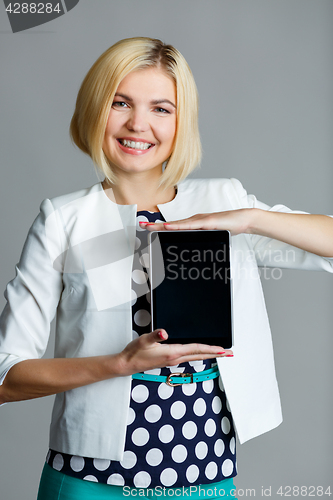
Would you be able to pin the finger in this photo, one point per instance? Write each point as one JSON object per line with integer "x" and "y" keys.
{"x": 201, "y": 354}
{"x": 200, "y": 221}
{"x": 156, "y": 336}
{"x": 194, "y": 222}
{"x": 202, "y": 357}
{"x": 181, "y": 350}
{"x": 228, "y": 352}
{"x": 152, "y": 226}
{"x": 165, "y": 226}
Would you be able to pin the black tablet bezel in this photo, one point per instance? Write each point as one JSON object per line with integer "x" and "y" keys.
{"x": 201, "y": 236}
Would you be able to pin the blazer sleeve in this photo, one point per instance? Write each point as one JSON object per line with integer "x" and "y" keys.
{"x": 32, "y": 296}
{"x": 274, "y": 253}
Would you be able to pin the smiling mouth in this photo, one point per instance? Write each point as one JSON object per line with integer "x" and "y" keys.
{"x": 135, "y": 145}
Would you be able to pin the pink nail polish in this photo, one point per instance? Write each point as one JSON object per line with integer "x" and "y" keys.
{"x": 222, "y": 352}
{"x": 166, "y": 223}
{"x": 229, "y": 356}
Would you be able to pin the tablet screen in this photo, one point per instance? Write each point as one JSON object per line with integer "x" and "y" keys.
{"x": 190, "y": 286}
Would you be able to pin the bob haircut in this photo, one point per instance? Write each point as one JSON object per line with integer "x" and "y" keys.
{"x": 96, "y": 95}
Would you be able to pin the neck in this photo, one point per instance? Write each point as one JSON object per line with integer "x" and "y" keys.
{"x": 141, "y": 192}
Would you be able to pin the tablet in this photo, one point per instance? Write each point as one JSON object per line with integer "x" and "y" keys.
{"x": 190, "y": 286}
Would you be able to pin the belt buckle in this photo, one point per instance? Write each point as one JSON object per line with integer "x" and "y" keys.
{"x": 183, "y": 375}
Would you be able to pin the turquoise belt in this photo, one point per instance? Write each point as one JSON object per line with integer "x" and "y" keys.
{"x": 175, "y": 379}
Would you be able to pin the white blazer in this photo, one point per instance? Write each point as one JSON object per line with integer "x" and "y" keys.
{"x": 77, "y": 263}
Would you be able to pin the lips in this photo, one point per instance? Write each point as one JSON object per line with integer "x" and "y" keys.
{"x": 134, "y": 146}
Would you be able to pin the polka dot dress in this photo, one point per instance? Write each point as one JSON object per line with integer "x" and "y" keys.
{"x": 176, "y": 436}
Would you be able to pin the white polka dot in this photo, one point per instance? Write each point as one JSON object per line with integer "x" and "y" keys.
{"x": 219, "y": 448}
{"x": 189, "y": 430}
{"x": 101, "y": 464}
{"x": 58, "y": 462}
{"x": 144, "y": 260}
{"x": 134, "y": 334}
{"x": 201, "y": 450}
{"x": 211, "y": 470}
{"x": 189, "y": 389}
{"x": 165, "y": 391}
{"x": 221, "y": 386}
{"x": 176, "y": 369}
{"x": 198, "y": 365}
{"x": 140, "y": 436}
{"x": 227, "y": 467}
{"x": 154, "y": 457}
{"x": 232, "y": 445}
{"x": 140, "y": 393}
{"x": 179, "y": 453}
{"x": 77, "y": 463}
{"x": 91, "y": 478}
{"x": 225, "y": 424}
{"x": 178, "y": 410}
{"x": 140, "y": 277}
{"x": 137, "y": 243}
{"x": 168, "y": 477}
{"x": 157, "y": 221}
{"x": 216, "y": 405}
{"x": 141, "y": 218}
{"x": 210, "y": 427}
{"x": 142, "y": 479}
{"x": 228, "y": 406}
{"x": 154, "y": 371}
{"x": 148, "y": 297}
{"x": 134, "y": 297}
{"x": 166, "y": 433}
{"x": 142, "y": 317}
{"x": 208, "y": 386}
{"x": 192, "y": 473}
{"x": 153, "y": 413}
{"x": 130, "y": 416}
{"x": 199, "y": 407}
{"x": 116, "y": 480}
{"x": 129, "y": 460}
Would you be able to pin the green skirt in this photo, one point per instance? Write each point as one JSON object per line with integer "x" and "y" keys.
{"x": 55, "y": 485}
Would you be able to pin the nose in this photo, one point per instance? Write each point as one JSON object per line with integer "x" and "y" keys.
{"x": 138, "y": 121}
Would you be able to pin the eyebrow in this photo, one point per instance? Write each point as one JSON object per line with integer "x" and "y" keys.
{"x": 155, "y": 102}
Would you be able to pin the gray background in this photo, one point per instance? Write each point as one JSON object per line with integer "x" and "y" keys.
{"x": 264, "y": 73}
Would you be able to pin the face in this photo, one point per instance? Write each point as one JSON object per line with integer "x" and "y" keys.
{"x": 141, "y": 127}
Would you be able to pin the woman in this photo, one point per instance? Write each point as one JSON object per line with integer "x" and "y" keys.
{"x": 136, "y": 116}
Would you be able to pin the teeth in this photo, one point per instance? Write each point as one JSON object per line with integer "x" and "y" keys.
{"x": 135, "y": 145}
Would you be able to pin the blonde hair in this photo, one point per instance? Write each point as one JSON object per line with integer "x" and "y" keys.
{"x": 97, "y": 92}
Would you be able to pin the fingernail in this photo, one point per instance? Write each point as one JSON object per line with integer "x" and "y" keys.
{"x": 150, "y": 223}
{"x": 166, "y": 223}
{"x": 229, "y": 356}
{"x": 142, "y": 222}
{"x": 160, "y": 334}
{"x": 222, "y": 352}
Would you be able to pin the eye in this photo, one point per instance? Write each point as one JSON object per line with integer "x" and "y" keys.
{"x": 162, "y": 110}
{"x": 119, "y": 104}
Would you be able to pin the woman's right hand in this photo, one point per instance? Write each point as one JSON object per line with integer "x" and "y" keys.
{"x": 35, "y": 378}
{"x": 146, "y": 353}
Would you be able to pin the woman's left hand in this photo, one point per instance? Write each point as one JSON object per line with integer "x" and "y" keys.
{"x": 310, "y": 232}
{"x": 235, "y": 221}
